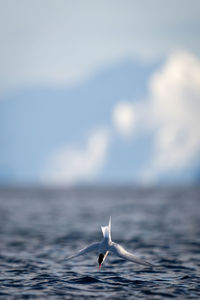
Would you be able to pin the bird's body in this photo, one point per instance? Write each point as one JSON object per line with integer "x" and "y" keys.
{"x": 106, "y": 246}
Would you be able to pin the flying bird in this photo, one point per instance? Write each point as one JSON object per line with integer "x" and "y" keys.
{"x": 106, "y": 246}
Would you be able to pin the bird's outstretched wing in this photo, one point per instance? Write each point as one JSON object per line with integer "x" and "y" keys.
{"x": 121, "y": 252}
{"x": 85, "y": 250}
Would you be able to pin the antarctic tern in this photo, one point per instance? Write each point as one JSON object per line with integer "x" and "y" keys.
{"x": 106, "y": 246}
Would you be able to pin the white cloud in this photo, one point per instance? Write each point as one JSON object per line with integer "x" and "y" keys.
{"x": 62, "y": 42}
{"x": 71, "y": 165}
{"x": 171, "y": 112}
{"x": 123, "y": 117}
{"x": 174, "y": 115}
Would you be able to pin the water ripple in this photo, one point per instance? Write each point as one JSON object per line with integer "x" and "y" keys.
{"x": 39, "y": 229}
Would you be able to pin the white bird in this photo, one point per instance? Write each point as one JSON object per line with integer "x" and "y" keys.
{"x": 106, "y": 246}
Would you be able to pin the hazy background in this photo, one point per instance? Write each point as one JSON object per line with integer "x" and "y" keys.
{"x": 99, "y": 92}
{"x": 99, "y": 117}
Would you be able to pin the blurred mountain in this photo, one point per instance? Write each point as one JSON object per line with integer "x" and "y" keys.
{"x": 36, "y": 121}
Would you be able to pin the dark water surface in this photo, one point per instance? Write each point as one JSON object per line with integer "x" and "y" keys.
{"x": 40, "y": 227}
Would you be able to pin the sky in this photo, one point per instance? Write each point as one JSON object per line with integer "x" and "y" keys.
{"x": 99, "y": 92}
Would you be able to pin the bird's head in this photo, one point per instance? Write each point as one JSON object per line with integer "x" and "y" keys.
{"x": 100, "y": 260}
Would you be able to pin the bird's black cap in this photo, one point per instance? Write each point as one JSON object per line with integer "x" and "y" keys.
{"x": 100, "y": 259}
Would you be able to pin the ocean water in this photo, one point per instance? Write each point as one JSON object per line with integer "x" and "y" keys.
{"x": 39, "y": 228}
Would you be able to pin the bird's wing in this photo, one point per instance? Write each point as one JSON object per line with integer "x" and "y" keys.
{"x": 85, "y": 250}
{"x": 121, "y": 252}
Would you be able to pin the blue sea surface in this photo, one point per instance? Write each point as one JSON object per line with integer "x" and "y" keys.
{"x": 40, "y": 227}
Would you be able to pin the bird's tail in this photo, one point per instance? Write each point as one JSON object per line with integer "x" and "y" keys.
{"x": 109, "y": 224}
{"x": 107, "y": 230}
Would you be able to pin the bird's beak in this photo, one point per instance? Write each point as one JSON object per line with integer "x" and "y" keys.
{"x": 99, "y": 267}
